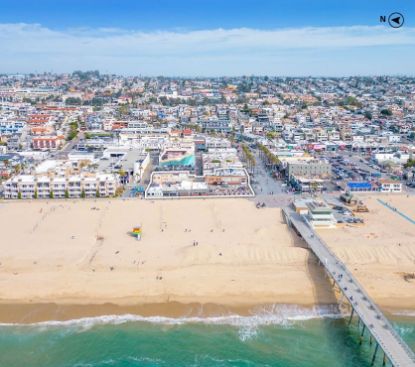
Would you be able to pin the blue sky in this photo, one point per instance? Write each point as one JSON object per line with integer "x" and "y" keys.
{"x": 207, "y": 37}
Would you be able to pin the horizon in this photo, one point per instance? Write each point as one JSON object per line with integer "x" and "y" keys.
{"x": 207, "y": 38}
{"x": 196, "y": 77}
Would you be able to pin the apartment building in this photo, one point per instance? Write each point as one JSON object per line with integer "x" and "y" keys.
{"x": 47, "y": 142}
{"x": 11, "y": 127}
{"x": 70, "y": 186}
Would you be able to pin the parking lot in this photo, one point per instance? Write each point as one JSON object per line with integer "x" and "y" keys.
{"x": 348, "y": 167}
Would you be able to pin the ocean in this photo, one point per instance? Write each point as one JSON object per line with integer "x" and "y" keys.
{"x": 283, "y": 337}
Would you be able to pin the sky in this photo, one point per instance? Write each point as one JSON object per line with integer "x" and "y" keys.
{"x": 207, "y": 37}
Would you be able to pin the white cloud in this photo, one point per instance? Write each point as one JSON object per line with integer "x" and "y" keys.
{"x": 28, "y": 47}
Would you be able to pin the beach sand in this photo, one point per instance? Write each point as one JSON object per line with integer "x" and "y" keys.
{"x": 382, "y": 251}
{"x": 62, "y": 259}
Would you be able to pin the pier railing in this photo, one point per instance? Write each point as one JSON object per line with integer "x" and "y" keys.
{"x": 397, "y": 351}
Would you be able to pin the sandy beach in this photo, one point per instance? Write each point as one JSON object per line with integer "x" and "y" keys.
{"x": 381, "y": 253}
{"x": 65, "y": 259}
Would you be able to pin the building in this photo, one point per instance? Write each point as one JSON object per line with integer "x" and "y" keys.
{"x": 320, "y": 215}
{"x": 362, "y": 186}
{"x": 218, "y": 126}
{"x": 69, "y": 186}
{"x": 175, "y": 184}
{"x": 47, "y": 142}
{"x": 390, "y": 186}
{"x": 11, "y": 127}
{"x": 311, "y": 168}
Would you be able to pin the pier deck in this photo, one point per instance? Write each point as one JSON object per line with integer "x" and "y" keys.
{"x": 396, "y": 350}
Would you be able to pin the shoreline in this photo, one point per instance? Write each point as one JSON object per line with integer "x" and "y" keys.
{"x": 26, "y": 314}
{"x": 66, "y": 260}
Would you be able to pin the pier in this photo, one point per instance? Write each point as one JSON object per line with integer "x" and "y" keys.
{"x": 374, "y": 323}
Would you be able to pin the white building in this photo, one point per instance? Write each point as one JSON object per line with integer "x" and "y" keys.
{"x": 390, "y": 186}
{"x": 320, "y": 215}
{"x": 72, "y": 186}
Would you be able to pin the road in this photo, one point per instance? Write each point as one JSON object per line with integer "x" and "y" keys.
{"x": 398, "y": 352}
{"x": 267, "y": 189}
{"x": 70, "y": 145}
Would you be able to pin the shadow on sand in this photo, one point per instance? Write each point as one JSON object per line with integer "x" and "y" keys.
{"x": 341, "y": 337}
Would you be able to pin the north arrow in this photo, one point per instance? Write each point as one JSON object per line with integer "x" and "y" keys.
{"x": 397, "y": 20}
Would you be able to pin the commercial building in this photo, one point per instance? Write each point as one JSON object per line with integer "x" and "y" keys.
{"x": 311, "y": 168}
{"x": 390, "y": 186}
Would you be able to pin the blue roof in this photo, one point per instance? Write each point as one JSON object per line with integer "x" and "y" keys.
{"x": 359, "y": 185}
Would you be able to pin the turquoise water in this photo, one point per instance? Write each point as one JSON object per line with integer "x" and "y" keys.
{"x": 227, "y": 341}
{"x": 188, "y": 160}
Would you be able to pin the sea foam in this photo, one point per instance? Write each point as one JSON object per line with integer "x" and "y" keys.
{"x": 266, "y": 315}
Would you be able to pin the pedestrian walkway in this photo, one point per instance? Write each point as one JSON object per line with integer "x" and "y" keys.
{"x": 395, "y": 349}
{"x": 387, "y": 205}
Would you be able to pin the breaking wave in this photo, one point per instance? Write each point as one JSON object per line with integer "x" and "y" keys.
{"x": 266, "y": 315}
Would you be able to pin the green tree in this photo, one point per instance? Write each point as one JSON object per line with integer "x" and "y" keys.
{"x": 122, "y": 172}
{"x": 83, "y": 194}
{"x": 368, "y": 115}
{"x": 19, "y": 195}
{"x": 124, "y": 109}
{"x": 386, "y": 112}
{"x": 72, "y": 101}
{"x": 410, "y": 163}
{"x": 51, "y": 195}
{"x": 66, "y": 194}
{"x": 97, "y": 194}
{"x": 35, "y": 195}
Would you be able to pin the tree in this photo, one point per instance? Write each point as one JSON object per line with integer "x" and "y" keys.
{"x": 73, "y": 101}
{"x": 410, "y": 163}
{"x": 19, "y": 195}
{"x": 35, "y": 195}
{"x": 97, "y": 194}
{"x": 97, "y": 101}
{"x": 119, "y": 191}
{"x": 73, "y": 130}
{"x": 271, "y": 135}
{"x": 386, "y": 112}
{"x": 249, "y": 157}
{"x": 122, "y": 172}
{"x": 51, "y": 195}
{"x": 66, "y": 194}
{"x": 368, "y": 115}
{"x": 83, "y": 194}
{"x": 124, "y": 109}
{"x": 350, "y": 101}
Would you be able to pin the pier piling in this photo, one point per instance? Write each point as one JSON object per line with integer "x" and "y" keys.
{"x": 374, "y": 354}
{"x": 395, "y": 351}
{"x": 351, "y": 316}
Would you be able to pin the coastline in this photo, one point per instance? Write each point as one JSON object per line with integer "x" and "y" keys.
{"x": 44, "y": 312}
{"x": 71, "y": 259}
{"x": 26, "y": 314}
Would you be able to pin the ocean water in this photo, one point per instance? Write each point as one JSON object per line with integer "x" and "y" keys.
{"x": 280, "y": 337}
